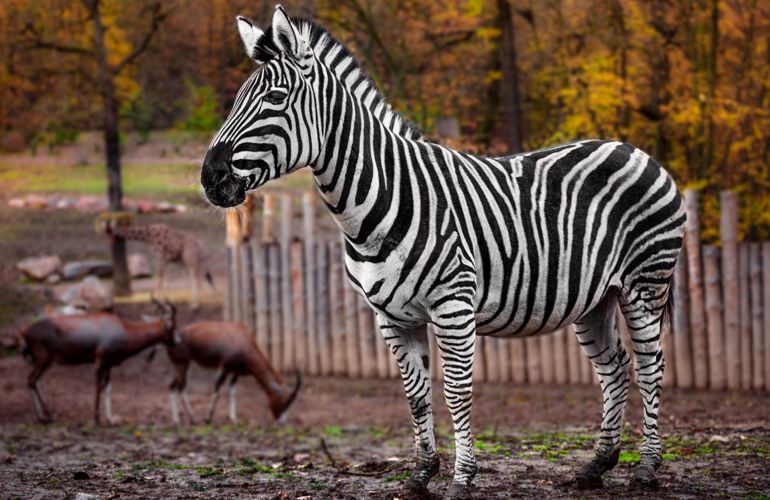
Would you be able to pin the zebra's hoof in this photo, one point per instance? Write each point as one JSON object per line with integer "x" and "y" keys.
{"x": 414, "y": 489}
{"x": 459, "y": 491}
{"x": 644, "y": 478}
{"x": 588, "y": 480}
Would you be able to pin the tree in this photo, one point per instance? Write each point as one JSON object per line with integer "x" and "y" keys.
{"x": 509, "y": 87}
{"x": 108, "y": 68}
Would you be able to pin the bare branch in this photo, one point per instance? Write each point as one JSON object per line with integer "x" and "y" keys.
{"x": 40, "y": 43}
{"x": 158, "y": 17}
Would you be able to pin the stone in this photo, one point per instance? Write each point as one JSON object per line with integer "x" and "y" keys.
{"x": 90, "y": 294}
{"x": 82, "y": 268}
{"x": 16, "y": 203}
{"x": 138, "y": 267}
{"x": 36, "y": 201}
{"x": 39, "y": 268}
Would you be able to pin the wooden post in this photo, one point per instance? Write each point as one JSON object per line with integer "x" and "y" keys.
{"x": 248, "y": 291}
{"x": 479, "y": 366}
{"x": 518, "y": 352}
{"x": 322, "y": 286}
{"x": 336, "y": 287}
{"x": 227, "y": 309}
{"x": 546, "y": 358}
{"x": 766, "y": 307}
{"x": 298, "y": 301}
{"x": 575, "y": 356}
{"x": 503, "y": 359}
{"x": 381, "y": 350}
{"x": 559, "y": 356}
{"x": 435, "y": 357}
{"x": 744, "y": 317}
{"x": 757, "y": 342}
{"x": 366, "y": 339}
{"x": 286, "y": 292}
{"x": 714, "y": 317}
{"x": 587, "y": 372}
{"x": 351, "y": 330}
{"x": 308, "y": 230}
{"x": 275, "y": 307}
{"x": 681, "y": 333}
{"x": 490, "y": 356}
{"x": 534, "y": 375}
{"x": 695, "y": 281}
{"x": 263, "y": 297}
{"x": 268, "y": 217}
{"x": 729, "y": 234}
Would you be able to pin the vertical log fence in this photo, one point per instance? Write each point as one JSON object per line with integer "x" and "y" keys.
{"x": 287, "y": 282}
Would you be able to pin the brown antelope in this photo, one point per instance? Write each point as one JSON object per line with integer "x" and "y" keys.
{"x": 231, "y": 348}
{"x": 100, "y": 338}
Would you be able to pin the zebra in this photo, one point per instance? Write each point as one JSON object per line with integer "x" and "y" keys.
{"x": 508, "y": 247}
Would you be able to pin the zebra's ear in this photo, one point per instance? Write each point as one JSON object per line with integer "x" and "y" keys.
{"x": 287, "y": 37}
{"x": 250, "y": 35}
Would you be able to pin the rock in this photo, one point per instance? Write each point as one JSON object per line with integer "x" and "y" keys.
{"x": 138, "y": 267}
{"x": 90, "y": 294}
{"x": 39, "y": 268}
{"x": 36, "y": 201}
{"x": 80, "y": 475}
{"x": 164, "y": 207}
{"x": 16, "y": 203}
{"x": 66, "y": 203}
{"x": 145, "y": 206}
{"x": 79, "y": 269}
{"x": 85, "y": 496}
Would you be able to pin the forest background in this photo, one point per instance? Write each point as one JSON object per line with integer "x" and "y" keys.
{"x": 685, "y": 80}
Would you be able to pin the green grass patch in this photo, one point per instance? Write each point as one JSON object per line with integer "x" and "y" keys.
{"x": 248, "y": 466}
{"x": 209, "y": 471}
{"x": 403, "y": 476}
{"x": 176, "y": 181}
{"x": 333, "y": 430}
{"x": 629, "y": 457}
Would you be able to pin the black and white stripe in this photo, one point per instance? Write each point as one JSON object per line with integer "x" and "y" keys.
{"x": 512, "y": 246}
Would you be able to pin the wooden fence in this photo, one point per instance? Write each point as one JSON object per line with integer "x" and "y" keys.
{"x": 290, "y": 288}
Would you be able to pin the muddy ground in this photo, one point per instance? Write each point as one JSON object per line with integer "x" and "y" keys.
{"x": 529, "y": 440}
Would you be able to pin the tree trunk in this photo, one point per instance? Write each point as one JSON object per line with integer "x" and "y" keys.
{"x": 509, "y": 86}
{"x": 121, "y": 281}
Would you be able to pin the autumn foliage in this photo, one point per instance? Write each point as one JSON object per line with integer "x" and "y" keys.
{"x": 686, "y": 80}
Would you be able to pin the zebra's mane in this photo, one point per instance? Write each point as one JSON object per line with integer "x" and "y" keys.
{"x": 333, "y": 53}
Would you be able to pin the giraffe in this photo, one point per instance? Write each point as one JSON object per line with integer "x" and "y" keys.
{"x": 168, "y": 245}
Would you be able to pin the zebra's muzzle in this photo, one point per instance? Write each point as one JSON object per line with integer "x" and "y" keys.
{"x": 222, "y": 186}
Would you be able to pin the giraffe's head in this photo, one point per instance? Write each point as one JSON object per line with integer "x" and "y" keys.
{"x": 275, "y": 125}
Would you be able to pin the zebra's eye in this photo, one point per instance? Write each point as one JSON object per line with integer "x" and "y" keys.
{"x": 275, "y": 96}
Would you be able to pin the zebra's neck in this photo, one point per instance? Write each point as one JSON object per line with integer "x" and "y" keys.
{"x": 371, "y": 177}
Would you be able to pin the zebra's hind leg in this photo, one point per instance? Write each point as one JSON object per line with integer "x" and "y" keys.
{"x": 410, "y": 347}
{"x": 645, "y": 308}
{"x": 600, "y": 341}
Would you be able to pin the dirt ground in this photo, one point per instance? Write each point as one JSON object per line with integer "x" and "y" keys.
{"x": 347, "y": 439}
{"x": 529, "y": 441}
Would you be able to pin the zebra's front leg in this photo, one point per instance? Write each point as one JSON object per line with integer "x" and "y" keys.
{"x": 599, "y": 339}
{"x": 457, "y": 345}
{"x": 410, "y": 347}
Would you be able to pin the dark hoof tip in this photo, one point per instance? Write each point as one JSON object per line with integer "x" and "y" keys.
{"x": 645, "y": 483}
{"x": 414, "y": 490}
{"x": 588, "y": 481}
{"x": 459, "y": 491}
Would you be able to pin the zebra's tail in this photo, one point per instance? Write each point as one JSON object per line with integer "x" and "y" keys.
{"x": 667, "y": 317}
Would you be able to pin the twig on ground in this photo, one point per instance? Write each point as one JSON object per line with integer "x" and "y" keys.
{"x": 328, "y": 455}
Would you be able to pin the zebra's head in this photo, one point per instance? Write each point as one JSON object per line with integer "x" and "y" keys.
{"x": 274, "y": 126}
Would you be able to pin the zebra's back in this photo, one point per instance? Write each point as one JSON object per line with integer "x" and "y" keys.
{"x": 581, "y": 218}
